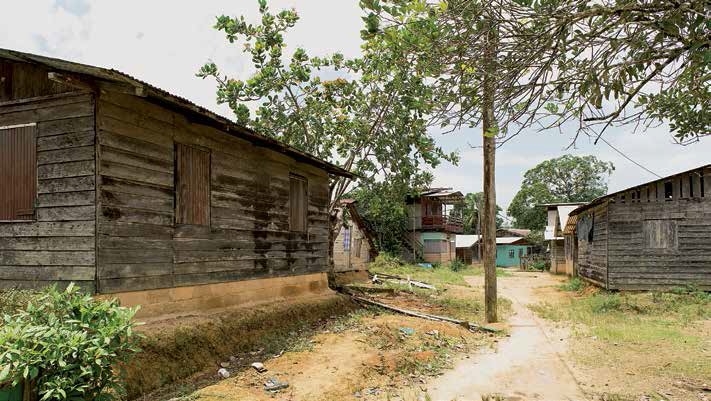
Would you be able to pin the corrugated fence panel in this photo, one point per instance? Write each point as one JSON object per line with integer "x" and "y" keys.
{"x": 18, "y": 172}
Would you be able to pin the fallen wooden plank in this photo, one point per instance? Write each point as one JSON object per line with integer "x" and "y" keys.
{"x": 401, "y": 280}
{"x": 463, "y": 323}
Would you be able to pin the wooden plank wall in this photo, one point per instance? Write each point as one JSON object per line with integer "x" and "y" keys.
{"x": 140, "y": 247}
{"x": 58, "y": 246}
{"x": 592, "y": 256}
{"x": 687, "y": 261}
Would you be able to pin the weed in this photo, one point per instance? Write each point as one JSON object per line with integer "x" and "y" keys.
{"x": 457, "y": 265}
{"x": 575, "y": 284}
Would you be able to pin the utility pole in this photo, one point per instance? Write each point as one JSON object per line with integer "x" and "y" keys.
{"x": 489, "y": 137}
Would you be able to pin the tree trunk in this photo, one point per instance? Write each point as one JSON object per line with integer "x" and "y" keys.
{"x": 489, "y": 212}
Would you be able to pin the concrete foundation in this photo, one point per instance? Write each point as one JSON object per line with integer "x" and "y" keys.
{"x": 195, "y": 300}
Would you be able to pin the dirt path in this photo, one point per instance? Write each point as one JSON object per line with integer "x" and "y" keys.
{"x": 525, "y": 366}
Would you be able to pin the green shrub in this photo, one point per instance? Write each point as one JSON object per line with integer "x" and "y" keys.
{"x": 539, "y": 265}
{"x": 575, "y": 284}
{"x": 13, "y": 300}
{"x": 69, "y": 343}
{"x": 457, "y": 265}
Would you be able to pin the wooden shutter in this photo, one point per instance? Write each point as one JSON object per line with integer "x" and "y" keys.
{"x": 192, "y": 185}
{"x": 18, "y": 172}
{"x": 298, "y": 203}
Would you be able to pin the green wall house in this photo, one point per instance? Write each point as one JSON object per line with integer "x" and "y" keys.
{"x": 509, "y": 251}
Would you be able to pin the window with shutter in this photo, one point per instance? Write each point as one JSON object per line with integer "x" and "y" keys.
{"x": 298, "y": 203}
{"x": 192, "y": 185}
{"x": 18, "y": 172}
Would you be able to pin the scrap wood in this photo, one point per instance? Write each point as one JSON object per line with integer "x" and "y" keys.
{"x": 463, "y": 323}
{"x": 402, "y": 280}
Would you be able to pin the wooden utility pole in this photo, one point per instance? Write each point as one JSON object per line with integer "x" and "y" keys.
{"x": 489, "y": 132}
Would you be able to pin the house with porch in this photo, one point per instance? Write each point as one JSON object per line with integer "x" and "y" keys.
{"x": 433, "y": 225}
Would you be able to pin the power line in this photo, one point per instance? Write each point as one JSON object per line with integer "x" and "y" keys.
{"x": 628, "y": 158}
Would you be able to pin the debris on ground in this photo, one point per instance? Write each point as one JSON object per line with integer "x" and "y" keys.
{"x": 381, "y": 277}
{"x": 463, "y": 323}
{"x": 273, "y": 384}
{"x": 259, "y": 367}
{"x": 223, "y": 373}
{"x": 408, "y": 331}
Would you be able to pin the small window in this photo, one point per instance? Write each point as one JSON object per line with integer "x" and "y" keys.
{"x": 691, "y": 185}
{"x": 18, "y": 172}
{"x": 298, "y": 203}
{"x": 702, "y": 189}
{"x": 512, "y": 253}
{"x": 192, "y": 185}
{"x": 346, "y": 239}
{"x": 668, "y": 190}
{"x": 520, "y": 252}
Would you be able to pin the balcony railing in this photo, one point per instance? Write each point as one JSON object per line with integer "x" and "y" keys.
{"x": 443, "y": 222}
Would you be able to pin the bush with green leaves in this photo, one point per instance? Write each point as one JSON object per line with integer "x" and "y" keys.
{"x": 457, "y": 265}
{"x": 69, "y": 344}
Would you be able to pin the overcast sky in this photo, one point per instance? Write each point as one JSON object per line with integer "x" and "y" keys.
{"x": 166, "y": 42}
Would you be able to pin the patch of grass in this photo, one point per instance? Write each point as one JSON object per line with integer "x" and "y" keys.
{"x": 500, "y": 272}
{"x": 575, "y": 284}
{"x": 660, "y": 329}
{"x": 434, "y": 275}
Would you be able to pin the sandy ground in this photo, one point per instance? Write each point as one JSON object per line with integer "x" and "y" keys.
{"x": 528, "y": 365}
{"x": 356, "y": 364}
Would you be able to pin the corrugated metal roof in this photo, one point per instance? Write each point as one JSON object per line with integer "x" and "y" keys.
{"x": 601, "y": 199}
{"x": 227, "y": 125}
{"x": 570, "y": 226}
{"x": 563, "y": 212}
{"x": 466, "y": 241}
{"x": 508, "y": 240}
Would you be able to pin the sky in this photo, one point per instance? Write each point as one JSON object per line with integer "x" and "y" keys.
{"x": 166, "y": 42}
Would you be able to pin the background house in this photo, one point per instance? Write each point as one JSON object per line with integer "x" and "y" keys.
{"x": 557, "y": 220}
{"x": 509, "y": 250}
{"x": 467, "y": 248}
{"x": 131, "y": 191}
{"x": 656, "y": 235}
{"x": 354, "y": 246}
{"x": 432, "y": 225}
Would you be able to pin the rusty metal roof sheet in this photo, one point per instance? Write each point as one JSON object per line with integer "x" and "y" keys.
{"x": 223, "y": 123}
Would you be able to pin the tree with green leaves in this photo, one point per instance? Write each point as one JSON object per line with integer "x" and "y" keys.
{"x": 564, "y": 179}
{"x": 367, "y": 114}
{"x": 469, "y": 210}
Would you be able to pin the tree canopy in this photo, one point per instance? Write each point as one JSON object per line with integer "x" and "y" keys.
{"x": 564, "y": 179}
{"x": 366, "y": 114}
{"x": 469, "y": 211}
{"x": 582, "y": 65}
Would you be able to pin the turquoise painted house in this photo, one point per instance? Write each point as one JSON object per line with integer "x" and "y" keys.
{"x": 509, "y": 251}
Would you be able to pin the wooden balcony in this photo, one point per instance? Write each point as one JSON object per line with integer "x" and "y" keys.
{"x": 443, "y": 223}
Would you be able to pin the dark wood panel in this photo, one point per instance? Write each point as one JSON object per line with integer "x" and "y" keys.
{"x": 66, "y": 126}
{"x": 80, "y": 198}
{"x": 72, "y": 184}
{"x": 66, "y": 213}
{"x": 66, "y": 170}
{"x": 47, "y": 258}
{"x": 65, "y": 141}
{"x": 47, "y": 273}
{"x": 47, "y": 243}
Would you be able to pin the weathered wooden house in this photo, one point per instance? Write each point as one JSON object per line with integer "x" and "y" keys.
{"x": 354, "y": 247}
{"x": 433, "y": 225}
{"x": 467, "y": 248}
{"x": 128, "y": 190}
{"x": 558, "y": 215}
{"x": 652, "y": 236}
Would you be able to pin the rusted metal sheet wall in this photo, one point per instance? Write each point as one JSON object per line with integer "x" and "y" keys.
{"x": 192, "y": 186}
{"x": 18, "y": 172}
